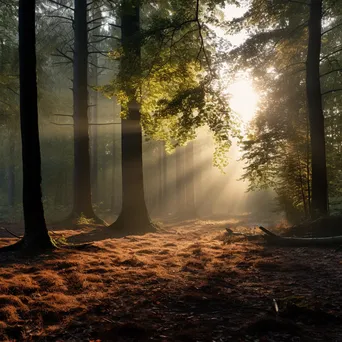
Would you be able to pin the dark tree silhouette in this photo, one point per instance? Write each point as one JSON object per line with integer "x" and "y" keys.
{"x": 36, "y": 237}
{"x": 82, "y": 204}
{"x": 319, "y": 205}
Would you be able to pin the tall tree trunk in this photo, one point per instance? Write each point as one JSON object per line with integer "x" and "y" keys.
{"x": 11, "y": 170}
{"x": 134, "y": 217}
{"x": 308, "y": 172}
{"x": 94, "y": 73}
{"x": 319, "y": 204}
{"x": 36, "y": 235}
{"x": 166, "y": 182}
{"x": 190, "y": 182}
{"x": 82, "y": 185}
{"x": 180, "y": 187}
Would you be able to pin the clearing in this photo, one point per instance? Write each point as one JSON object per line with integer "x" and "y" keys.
{"x": 184, "y": 283}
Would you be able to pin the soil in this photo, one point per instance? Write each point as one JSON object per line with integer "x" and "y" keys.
{"x": 187, "y": 282}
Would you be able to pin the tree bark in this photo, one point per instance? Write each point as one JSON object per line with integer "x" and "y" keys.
{"x": 36, "y": 235}
{"x": 82, "y": 204}
{"x": 134, "y": 217}
{"x": 319, "y": 204}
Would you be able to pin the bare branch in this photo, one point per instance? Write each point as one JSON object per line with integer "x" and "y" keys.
{"x": 96, "y": 19}
{"x": 330, "y": 54}
{"x": 60, "y": 124}
{"x": 94, "y": 28}
{"x": 62, "y": 54}
{"x": 60, "y": 17}
{"x": 104, "y": 124}
{"x": 61, "y": 5}
{"x": 99, "y": 67}
{"x": 331, "y": 28}
{"x": 114, "y": 25}
{"x": 68, "y": 115}
{"x": 332, "y": 91}
{"x": 330, "y": 72}
{"x": 8, "y": 231}
{"x": 106, "y": 37}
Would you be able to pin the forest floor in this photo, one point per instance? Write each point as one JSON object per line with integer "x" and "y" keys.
{"x": 188, "y": 282}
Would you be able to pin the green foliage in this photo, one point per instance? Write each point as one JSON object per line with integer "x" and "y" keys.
{"x": 277, "y": 148}
{"x": 177, "y": 84}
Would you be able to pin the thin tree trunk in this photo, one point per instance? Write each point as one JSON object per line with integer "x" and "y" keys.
{"x": 94, "y": 73}
{"x": 313, "y": 87}
{"x": 11, "y": 170}
{"x": 308, "y": 163}
{"x": 82, "y": 185}
{"x": 36, "y": 235}
{"x": 134, "y": 217}
{"x": 180, "y": 188}
{"x": 190, "y": 182}
{"x": 306, "y": 212}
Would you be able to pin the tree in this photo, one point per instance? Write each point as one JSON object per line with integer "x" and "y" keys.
{"x": 277, "y": 53}
{"x": 82, "y": 181}
{"x": 315, "y": 111}
{"x": 173, "y": 79}
{"x": 134, "y": 217}
{"x": 36, "y": 237}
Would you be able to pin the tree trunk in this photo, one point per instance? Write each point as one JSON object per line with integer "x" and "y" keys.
{"x": 190, "y": 182}
{"x": 134, "y": 217}
{"x": 82, "y": 185}
{"x": 11, "y": 170}
{"x": 180, "y": 187}
{"x": 319, "y": 205}
{"x": 94, "y": 73}
{"x": 36, "y": 235}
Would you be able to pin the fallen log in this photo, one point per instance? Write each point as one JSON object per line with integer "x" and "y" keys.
{"x": 274, "y": 239}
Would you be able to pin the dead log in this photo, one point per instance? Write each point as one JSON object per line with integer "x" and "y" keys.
{"x": 274, "y": 239}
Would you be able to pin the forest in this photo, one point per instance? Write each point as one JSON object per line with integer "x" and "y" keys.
{"x": 171, "y": 170}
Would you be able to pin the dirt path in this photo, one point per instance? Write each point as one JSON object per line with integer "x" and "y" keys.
{"x": 182, "y": 284}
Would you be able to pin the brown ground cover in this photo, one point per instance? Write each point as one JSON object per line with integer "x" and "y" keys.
{"x": 180, "y": 284}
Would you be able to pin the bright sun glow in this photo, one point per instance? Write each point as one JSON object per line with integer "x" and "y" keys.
{"x": 244, "y": 99}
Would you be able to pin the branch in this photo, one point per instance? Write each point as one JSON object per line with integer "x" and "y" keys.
{"x": 332, "y": 28}
{"x": 62, "y": 54}
{"x": 330, "y": 72}
{"x": 94, "y": 28}
{"x": 98, "y": 67}
{"x": 8, "y": 231}
{"x": 291, "y": 32}
{"x": 62, "y": 5}
{"x": 332, "y": 91}
{"x": 60, "y": 124}
{"x": 114, "y": 25}
{"x": 12, "y": 90}
{"x": 329, "y": 54}
{"x": 60, "y": 17}
{"x": 103, "y": 36}
{"x": 68, "y": 115}
{"x": 104, "y": 124}
{"x": 93, "y": 20}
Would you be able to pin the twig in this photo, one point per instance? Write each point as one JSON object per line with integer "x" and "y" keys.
{"x": 8, "y": 231}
